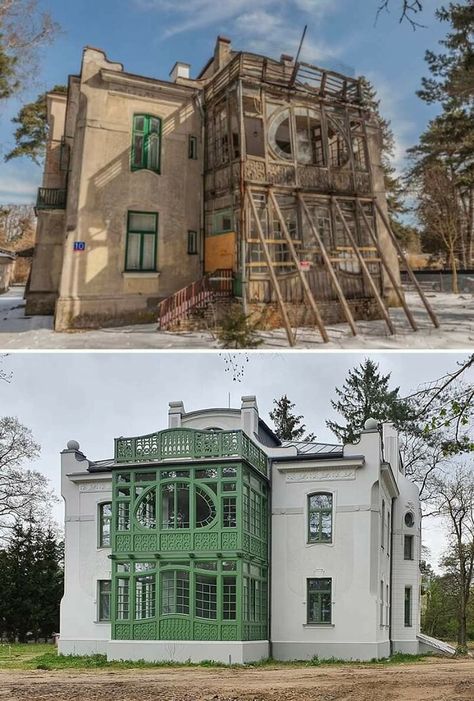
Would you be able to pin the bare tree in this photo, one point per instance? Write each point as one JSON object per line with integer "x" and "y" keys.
{"x": 409, "y": 9}
{"x": 22, "y": 491}
{"x": 24, "y": 30}
{"x": 454, "y": 501}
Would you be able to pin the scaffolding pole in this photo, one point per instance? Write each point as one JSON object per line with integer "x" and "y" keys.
{"x": 332, "y": 274}
{"x": 389, "y": 271}
{"x": 410, "y": 272}
{"x": 273, "y": 277}
{"x": 365, "y": 269}
{"x": 304, "y": 282}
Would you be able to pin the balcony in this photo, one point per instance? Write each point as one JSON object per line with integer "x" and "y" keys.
{"x": 179, "y": 443}
{"x": 51, "y": 198}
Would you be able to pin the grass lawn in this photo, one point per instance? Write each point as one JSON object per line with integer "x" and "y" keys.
{"x": 44, "y": 656}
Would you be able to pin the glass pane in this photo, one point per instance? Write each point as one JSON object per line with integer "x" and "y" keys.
{"x": 133, "y": 252}
{"x": 122, "y": 599}
{"x": 148, "y": 262}
{"x": 142, "y": 222}
{"x": 145, "y": 597}
{"x": 154, "y": 152}
{"x": 138, "y": 141}
{"x": 205, "y": 509}
{"x": 139, "y": 123}
{"x": 303, "y": 142}
{"x": 320, "y": 501}
{"x": 154, "y": 125}
{"x": 326, "y": 522}
{"x": 229, "y": 599}
{"x": 182, "y": 516}
{"x": 206, "y": 596}
{"x": 167, "y": 506}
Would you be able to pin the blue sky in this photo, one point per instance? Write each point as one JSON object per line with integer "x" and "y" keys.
{"x": 148, "y": 36}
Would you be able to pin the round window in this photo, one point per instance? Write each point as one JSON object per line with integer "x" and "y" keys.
{"x": 409, "y": 519}
{"x": 279, "y": 135}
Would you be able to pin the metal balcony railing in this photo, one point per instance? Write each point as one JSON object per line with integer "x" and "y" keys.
{"x": 51, "y": 198}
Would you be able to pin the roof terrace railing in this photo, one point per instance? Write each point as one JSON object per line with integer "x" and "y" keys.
{"x": 181, "y": 443}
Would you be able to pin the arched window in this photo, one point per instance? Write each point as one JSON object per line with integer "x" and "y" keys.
{"x": 320, "y": 518}
{"x": 146, "y": 510}
{"x": 146, "y": 143}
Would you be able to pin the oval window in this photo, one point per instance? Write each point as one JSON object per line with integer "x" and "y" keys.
{"x": 205, "y": 508}
{"x": 409, "y": 519}
{"x": 279, "y": 135}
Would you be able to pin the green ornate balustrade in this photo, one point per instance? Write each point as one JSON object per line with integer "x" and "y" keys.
{"x": 178, "y": 443}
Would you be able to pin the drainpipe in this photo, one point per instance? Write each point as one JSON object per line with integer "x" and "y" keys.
{"x": 391, "y": 577}
{"x": 269, "y": 578}
{"x": 199, "y": 102}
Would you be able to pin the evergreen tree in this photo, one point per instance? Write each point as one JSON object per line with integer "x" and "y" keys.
{"x": 32, "y": 132}
{"x": 366, "y": 394}
{"x": 31, "y": 583}
{"x": 288, "y": 426}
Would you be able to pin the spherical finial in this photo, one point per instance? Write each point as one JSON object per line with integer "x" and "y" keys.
{"x": 73, "y": 445}
{"x": 371, "y": 425}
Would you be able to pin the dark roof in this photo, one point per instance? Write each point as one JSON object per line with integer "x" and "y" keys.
{"x": 310, "y": 448}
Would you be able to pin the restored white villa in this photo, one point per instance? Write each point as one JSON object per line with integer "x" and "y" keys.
{"x": 212, "y": 539}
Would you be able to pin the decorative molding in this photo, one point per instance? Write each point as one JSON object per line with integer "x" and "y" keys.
{"x": 333, "y": 476}
{"x": 95, "y": 487}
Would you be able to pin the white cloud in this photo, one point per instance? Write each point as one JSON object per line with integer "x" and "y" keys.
{"x": 264, "y": 26}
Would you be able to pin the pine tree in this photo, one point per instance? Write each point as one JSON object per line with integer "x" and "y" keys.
{"x": 288, "y": 427}
{"x": 366, "y": 394}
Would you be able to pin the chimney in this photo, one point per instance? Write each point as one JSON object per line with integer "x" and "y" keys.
{"x": 249, "y": 416}
{"x": 222, "y": 52}
{"x": 180, "y": 70}
{"x": 175, "y": 414}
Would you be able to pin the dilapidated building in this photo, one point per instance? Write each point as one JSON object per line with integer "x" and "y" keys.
{"x": 261, "y": 179}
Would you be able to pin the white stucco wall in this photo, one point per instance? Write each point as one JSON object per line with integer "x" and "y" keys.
{"x": 85, "y": 563}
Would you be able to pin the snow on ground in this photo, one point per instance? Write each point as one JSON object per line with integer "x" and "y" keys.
{"x": 455, "y": 313}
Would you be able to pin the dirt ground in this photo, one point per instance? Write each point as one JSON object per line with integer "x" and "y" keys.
{"x": 433, "y": 680}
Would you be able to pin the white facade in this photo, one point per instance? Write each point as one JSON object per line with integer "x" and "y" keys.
{"x": 364, "y": 559}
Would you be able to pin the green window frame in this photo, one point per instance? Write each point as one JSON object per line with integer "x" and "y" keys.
{"x": 192, "y": 243}
{"x": 104, "y": 596}
{"x": 192, "y": 148}
{"x": 145, "y": 596}
{"x": 142, "y": 242}
{"x": 319, "y": 600}
{"x": 146, "y": 143}
{"x": 105, "y": 524}
{"x": 320, "y": 508}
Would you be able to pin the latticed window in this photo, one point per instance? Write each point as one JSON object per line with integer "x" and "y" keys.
{"x": 205, "y": 508}
{"x": 229, "y": 512}
{"x": 146, "y": 143}
{"x": 309, "y": 137}
{"x": 142, "y": 237}
{"x": 146, "y": 510}
{"x": 105, "y": 520}
{"x": 319, "y": 595}
{"x": 104, "y": 587}
{"x": 320, "y": 518}
{"x": 123, "y": 516}
{"x": 229, "y": 599}
{"x": 145, "y": 597}
{"x": 174, "y": 592}
{"x": 206, "y": 596}
{"x": 123, "y": 600}
{"x": 337, "y": 145}
{"x": 359, "y": 146}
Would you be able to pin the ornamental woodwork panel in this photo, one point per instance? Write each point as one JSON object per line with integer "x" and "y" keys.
{"x": 145, "y": 542}
{"x": 229, "y": 632}
{"x": 175, "y": 541}
{"x": 206, "y": 631}
{"x": 206, "y": 541}
{"x": 123, "y": 631}
{"x": 255, "y": 170}
{"x": 123, "y": 543}
{"x": 229, "y": 541}
{"x": 144, "y": 631}
{"x": 175, "y": 629}
{"x": 281, "y": 174}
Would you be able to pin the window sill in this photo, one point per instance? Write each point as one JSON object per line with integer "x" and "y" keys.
{"x": 102, "y": 623}
{"x": 318, "y": 625}
{"x": 140, "y": 275}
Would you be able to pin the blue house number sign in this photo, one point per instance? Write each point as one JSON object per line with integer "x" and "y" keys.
{"x": 79, "y": 245}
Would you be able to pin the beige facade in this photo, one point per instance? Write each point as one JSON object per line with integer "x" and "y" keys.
{"x": 219, "y": 145}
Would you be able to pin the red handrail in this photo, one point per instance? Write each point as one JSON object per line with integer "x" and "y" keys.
{"x": 178, "y": 306}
